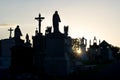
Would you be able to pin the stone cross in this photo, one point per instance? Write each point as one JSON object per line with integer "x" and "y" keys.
{"x": 10, "y": 32}
{"x": 39, "y": 19}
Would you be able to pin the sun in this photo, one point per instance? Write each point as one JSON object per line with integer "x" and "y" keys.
{"x": 78, "y": 51}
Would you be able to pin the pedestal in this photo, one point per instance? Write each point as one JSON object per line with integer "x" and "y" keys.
{"x": 56, "y": 61}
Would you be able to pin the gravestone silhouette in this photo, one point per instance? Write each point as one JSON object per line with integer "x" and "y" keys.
{"x": 56, "y": 59}
{"x": 56, "y": 20}
{"x": 17, "y": 35}
{"x": 10, "y": 32}
{"x": 22, "y": 55}
{"x": 66, "y": 30}
{"x": 17, "y": 32}
{"x": 39, "y": 18}
{"x": 27, "y": 43}
{"x": 38, "y": 46}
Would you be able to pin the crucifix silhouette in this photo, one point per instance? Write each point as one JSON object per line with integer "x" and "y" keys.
{"x": 10, "y": 32}
{"x": 39, "y": 19}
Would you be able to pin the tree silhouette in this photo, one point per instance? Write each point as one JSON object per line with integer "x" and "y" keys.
{"x": 116, "y": 52}
{"x": 75, "y": 46}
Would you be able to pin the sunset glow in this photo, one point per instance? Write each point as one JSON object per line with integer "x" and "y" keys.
{"x": 86, "y": 18}
{"x": 78, "y": 51}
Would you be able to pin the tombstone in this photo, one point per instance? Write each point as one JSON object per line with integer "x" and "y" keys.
{"x": 5, "y": 52}
{"x": 94, "y": 51}
{"x": 22, "y": 60}
{"x": 38, "y": 57}
{"x": 38, "y": 39}
{"x": 56, "y": 61}
{"x": 38, "y": 46}
{"x": 22, "y": 54}
{"x": 105, "y": 50}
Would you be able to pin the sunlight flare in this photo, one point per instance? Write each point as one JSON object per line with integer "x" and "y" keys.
{"x": 78, "y": 51}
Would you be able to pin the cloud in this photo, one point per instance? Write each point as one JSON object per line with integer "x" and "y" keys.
{"x": 7, "y": 25}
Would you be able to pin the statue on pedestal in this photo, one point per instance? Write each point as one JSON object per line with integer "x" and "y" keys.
{"x": 17, "y": 33}
{"x": 56, "y": 20}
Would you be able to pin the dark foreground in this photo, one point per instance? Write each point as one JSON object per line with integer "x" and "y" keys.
{"x": 110, "y": 71}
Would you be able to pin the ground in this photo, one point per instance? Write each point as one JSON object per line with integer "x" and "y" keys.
{"x": 106, "y": 71}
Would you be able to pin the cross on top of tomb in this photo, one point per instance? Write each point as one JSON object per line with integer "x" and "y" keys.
{"x": 39, "y": 19}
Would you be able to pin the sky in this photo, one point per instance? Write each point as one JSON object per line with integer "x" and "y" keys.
{"x": 85, "y": 18}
